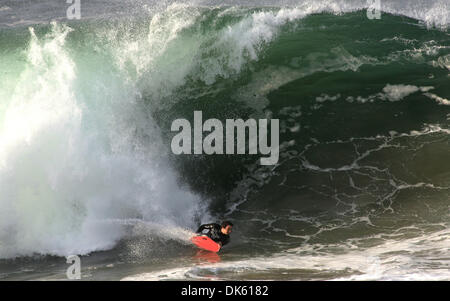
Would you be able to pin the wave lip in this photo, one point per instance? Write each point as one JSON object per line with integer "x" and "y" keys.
{"x": 433, "y": 13}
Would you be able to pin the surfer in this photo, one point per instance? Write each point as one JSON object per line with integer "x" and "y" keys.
{"x": 218, "y": 233}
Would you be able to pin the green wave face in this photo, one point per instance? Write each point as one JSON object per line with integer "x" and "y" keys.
{"x": 86, "y": 109}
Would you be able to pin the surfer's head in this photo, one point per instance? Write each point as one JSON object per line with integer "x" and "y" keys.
{"x": 226, "y": 227}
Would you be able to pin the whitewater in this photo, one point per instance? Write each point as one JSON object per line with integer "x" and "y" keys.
{"x": 361, "y": 190}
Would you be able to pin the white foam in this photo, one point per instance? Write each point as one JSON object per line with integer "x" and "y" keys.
{"x": 398, "y": 92}
{"x": 438, "y": 99}
{"x": 325, "y": 97}
{"x": 418, "y": 258}
{"x": 70, "y": 159}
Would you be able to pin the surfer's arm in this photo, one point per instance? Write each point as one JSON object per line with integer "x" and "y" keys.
{"x": 205, "y": 226}
{"x": 224, "y": 241}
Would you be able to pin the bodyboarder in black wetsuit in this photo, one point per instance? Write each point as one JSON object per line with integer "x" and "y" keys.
{"x": 218, "y": 233}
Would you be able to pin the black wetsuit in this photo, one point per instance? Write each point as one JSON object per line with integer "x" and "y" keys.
{"x": 214, "y": 233}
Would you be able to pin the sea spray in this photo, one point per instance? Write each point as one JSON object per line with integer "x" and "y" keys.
{"x": 67, "y": 164}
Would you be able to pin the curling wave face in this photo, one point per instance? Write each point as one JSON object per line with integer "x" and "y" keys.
{"x": 86, "y": 108}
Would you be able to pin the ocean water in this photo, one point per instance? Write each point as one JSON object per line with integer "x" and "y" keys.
{"x": 362, "y": 187}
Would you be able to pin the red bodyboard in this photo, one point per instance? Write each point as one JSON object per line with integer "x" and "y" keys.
{"x": 205, "y": 243}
